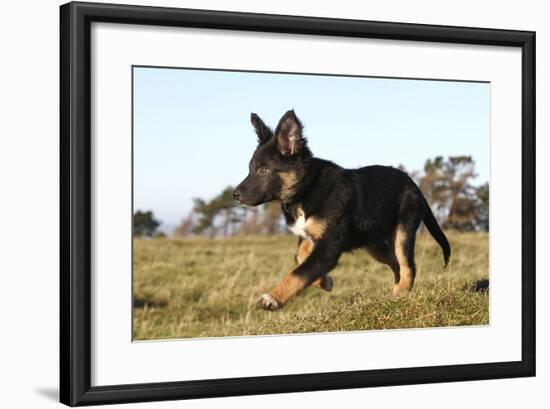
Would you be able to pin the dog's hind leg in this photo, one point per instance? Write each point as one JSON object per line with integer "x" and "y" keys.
{"x": 384, "y": 253}
{"x": 404, "y": 252}
{"x": 410, "y": 216}
{"x": 305, "y": 247}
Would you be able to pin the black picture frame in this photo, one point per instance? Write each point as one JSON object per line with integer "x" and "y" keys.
{"x": 76, "y": 197}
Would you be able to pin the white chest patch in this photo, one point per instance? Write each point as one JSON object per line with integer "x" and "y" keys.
{"x": 299, "y": 226}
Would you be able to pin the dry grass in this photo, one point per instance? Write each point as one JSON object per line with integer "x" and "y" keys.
{"x": 208, "y": 288}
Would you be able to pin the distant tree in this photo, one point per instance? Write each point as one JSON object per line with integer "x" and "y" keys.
{"x": 251, "y": 222}
{"x": 482, "y": 193}
{"x": 434, "y": 187}
{"x": 206, "y": 216}
{"x": 266, "y": 219}
{"x": 145, "y": 223}
{"x": 185, "y": 228}
{"x": 460, "y": 171}
{"x": 272, "y": 218}
{"x": 219, "y": 210}
{"x": 447, "y": 186}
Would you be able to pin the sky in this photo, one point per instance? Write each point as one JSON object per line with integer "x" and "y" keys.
{"x": 193, "y": 137}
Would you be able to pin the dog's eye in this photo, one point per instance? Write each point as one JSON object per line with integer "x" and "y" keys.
{"x": 262, "y": 171}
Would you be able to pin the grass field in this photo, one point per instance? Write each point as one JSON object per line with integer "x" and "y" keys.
{"x": 199, "y": 287}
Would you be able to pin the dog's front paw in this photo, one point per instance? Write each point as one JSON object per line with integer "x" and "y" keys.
{"x": 267, "y": 302}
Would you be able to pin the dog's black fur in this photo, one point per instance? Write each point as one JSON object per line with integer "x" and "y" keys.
{"x": 378, "y": 208}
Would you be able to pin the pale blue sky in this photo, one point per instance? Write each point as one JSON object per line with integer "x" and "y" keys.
{"x": 193, "y": 137}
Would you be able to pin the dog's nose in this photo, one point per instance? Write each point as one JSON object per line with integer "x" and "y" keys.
{"x": 236, "y": 195}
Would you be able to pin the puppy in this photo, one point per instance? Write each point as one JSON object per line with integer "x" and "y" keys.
{"x": 334, "y": 210}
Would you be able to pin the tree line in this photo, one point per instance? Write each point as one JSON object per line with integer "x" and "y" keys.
{"x": 446, "y": 183}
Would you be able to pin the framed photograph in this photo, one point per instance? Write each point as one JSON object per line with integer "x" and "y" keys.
{"x": 257, "y": 204}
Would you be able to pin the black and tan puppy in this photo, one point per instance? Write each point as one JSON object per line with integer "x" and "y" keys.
{"x": 333, "y": 210}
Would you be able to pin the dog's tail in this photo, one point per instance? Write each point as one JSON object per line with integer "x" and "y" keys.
{"x": 437, "y": 233}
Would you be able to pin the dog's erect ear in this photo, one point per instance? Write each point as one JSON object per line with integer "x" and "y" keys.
{"x": 290, "y": 140}
{"x": 263, "y": 132}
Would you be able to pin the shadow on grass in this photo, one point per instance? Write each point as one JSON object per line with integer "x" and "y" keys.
{"x": 142, "y": 302}
{"x": 479, "y": 286}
